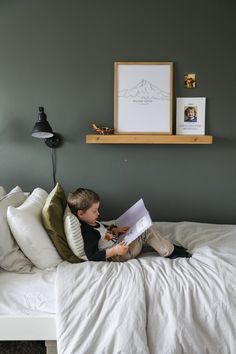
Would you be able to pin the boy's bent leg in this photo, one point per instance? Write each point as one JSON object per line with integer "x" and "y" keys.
{"x": 154, "y": 239}
{"x": 135, "y": 249}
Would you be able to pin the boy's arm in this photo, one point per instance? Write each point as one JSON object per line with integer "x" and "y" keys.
{"x": 94, "y": 254}
{"x": 117, "y": 250}
{"x": 91, "y": 238}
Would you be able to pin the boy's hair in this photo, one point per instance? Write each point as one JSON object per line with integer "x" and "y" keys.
{"x": 190, "y": 108}
{"x": 82, "y": 199}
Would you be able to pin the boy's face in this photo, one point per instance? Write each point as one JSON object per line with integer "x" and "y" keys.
{"x": 90, "y": 215}
{"x": 190, "y": 113}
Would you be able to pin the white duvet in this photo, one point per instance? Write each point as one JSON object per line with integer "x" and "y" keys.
{"x": 151, "y": 304}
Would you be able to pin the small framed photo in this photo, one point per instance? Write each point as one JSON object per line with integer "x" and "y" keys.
{"x": 190, "y": 115}
{"x": 189, "y": 80}
{"x": 143, "y": 94}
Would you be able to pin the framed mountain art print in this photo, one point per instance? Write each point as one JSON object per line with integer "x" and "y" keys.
{"x": 143, "y": 94}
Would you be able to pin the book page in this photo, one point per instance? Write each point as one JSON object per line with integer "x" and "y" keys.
{"x": 137, "y": 218}
{"x": 132, "y": 215}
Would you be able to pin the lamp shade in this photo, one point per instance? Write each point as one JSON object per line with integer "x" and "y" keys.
{"x": 42, "y": 128}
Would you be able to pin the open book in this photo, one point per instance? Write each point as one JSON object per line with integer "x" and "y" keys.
{"x": 137, "y": 218}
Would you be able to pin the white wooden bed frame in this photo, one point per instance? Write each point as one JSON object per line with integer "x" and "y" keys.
{"x": 30, "y": 328}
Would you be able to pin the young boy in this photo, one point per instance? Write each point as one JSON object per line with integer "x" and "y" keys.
{"x": 100, "y": 241}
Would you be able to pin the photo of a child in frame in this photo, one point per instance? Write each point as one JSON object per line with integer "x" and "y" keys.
{"x": 190, "y": 114}
{"x": 190, "y": 80}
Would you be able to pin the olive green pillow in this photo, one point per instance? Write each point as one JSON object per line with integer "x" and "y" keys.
{"x": 52, "y": 214}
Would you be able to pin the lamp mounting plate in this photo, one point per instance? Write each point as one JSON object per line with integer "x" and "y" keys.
{"x": 54, "y": 142}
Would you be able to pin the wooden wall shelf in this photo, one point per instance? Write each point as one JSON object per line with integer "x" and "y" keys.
{"x": 148, "y": 139}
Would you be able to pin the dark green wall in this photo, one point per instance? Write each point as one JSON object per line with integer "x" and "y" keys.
{"x": 60, "y": 54}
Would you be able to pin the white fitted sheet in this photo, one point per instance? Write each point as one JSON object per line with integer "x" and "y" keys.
{"x": 27, "y": 294}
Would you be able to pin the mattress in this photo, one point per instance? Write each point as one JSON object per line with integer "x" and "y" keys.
{"x": 27, "y": 294}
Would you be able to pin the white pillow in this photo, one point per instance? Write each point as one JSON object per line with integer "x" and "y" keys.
{"x": 2, "y": 192}
{"x": 27, "y": 228}
{"x": 12, "y": 258}
{"x": 73, "y": 234}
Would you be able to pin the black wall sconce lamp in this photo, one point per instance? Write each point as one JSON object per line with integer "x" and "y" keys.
{"x": 43, "y": 130}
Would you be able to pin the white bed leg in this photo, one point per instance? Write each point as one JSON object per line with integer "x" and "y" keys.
{"x": 51, "y": 346}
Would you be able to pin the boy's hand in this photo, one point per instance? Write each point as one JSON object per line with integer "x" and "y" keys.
{"x": 118, "y": 250}
{"x": 120, "y": 230}
{"x": 121, "y": 248}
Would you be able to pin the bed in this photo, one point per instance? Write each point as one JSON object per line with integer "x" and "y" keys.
{"x": 148, "y": 305}
{"x": 27, "y": 307}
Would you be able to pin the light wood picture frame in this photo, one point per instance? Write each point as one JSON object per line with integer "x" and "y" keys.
{"x": 143, "y": 97}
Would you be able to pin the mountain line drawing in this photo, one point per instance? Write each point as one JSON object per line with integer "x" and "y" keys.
{"x": 144, "y": 90}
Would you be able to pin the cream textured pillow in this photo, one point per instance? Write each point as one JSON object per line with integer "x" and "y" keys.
{"x": 27, "y": 228}
{"x": 73, "y": 234}
{"x": 11, "y": 257}
{"x": 2, "y": 192}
